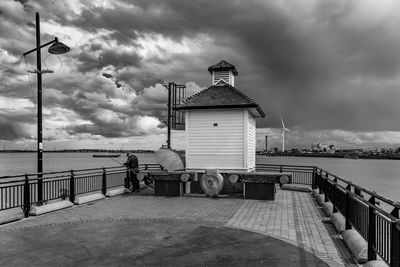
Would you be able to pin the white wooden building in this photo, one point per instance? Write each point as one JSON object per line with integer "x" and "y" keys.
{"x": 220, "y": 124}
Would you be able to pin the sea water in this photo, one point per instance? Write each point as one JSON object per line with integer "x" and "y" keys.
{"x": 381, "y": 176}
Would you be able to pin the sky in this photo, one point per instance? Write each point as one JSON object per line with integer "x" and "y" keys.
{"x": 330, "y": 69}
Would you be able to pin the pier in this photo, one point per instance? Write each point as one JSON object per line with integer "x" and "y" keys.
{"x": 293, "y": 228}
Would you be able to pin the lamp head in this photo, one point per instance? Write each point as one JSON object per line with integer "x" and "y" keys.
{"x": 58, "y": 48}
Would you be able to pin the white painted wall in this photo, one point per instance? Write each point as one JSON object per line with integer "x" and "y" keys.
{"x": 219, "y": 147}
{"x": 251, "y": 142}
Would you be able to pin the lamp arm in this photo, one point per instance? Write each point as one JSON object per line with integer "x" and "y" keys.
{"x": 43, "y": 45}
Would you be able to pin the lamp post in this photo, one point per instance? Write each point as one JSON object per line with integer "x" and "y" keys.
{"x": 55, "y": 48}
{"x": 169, "y": 87}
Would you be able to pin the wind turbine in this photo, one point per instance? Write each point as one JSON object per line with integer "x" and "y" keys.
{"x": 284, "y": 129}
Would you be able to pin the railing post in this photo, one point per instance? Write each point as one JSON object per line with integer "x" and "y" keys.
{"x": 320, "y": 181}
{"x": 371, "y": 230}
{"x": 395, "y": 239}
{"x": 326, "y": 188}
{"x": 395, "y": 246}
{"x": 347, "y": 211}
{"x": 313, "y": 183}
{"x": 280, "y": 170}
{"x": 334, "y": 196}
{"x": 72, "y": 187}
{"x": 27, "y": 197}
{"x": 104, "y": 183}
{"x": 357, "y": 191}
{"x": 146, "y": 167}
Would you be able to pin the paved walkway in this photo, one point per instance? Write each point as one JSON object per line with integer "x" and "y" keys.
{"x": 285, "y": 232}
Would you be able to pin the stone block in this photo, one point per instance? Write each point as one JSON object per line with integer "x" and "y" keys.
{"x": 297, "y": 187}
{"x": 38, "y": 210}
{"x": 88, "y": 198}
{"x": 357, "y": 245}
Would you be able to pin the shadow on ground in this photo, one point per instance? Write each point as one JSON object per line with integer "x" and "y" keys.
{"x": 146, "y": 242}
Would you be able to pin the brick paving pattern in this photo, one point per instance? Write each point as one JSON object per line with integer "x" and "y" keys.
{"x": 293, "y": 217}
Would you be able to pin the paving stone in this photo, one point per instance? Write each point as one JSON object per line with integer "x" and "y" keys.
{"x": 293, "y": 217}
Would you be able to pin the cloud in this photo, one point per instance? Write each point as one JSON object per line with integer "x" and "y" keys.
{"x": 329, "y": 67}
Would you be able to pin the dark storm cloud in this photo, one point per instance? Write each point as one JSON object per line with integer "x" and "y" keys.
{"x": 321, "y": 65}
{"x": 303, "y": 60}
{"x": 12, "y": 124}
{"x": 88, "y": 62}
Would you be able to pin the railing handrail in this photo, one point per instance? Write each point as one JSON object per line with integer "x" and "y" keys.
{"x": 69, "y": 171}
{"x": 362, "y": 189}
{"x": 284, "y": 165}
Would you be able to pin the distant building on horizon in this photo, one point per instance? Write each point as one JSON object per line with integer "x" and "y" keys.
{"x": 317, "y": 147}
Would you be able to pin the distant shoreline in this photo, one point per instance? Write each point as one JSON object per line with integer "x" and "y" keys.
{"x": 78, "y": 151}
{"x": 279, "y": 154}
{"x": 330, "y": 155}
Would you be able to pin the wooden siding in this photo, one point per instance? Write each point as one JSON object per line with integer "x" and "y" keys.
{"x": 209, "y": 146}
{"x": 251, "y": 142}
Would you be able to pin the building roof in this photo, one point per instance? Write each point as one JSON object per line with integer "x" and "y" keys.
{"x": 218, "y": 97}
{"x": 223, "y": 65}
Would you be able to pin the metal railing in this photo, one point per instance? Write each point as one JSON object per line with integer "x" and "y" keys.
{"x": 22, "y": 190}
{"x": 374, "y": 217}
{"x": 300, "y": 174}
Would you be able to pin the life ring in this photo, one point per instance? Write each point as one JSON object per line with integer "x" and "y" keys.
{"x": 284, "y": 179}
{"x": 233, "y": 178}
{"x": 212, "y": 183}
{"x": 185, "y": 177}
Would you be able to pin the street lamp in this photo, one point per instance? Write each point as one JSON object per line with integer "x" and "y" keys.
{"x": 55, "y": 48}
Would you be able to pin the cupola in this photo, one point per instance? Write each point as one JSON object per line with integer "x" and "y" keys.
{"x": 223, "y": 73}
{"x": 220, "y": 124}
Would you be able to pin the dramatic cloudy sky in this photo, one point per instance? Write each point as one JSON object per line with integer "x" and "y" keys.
{"x": 330, "y": 68}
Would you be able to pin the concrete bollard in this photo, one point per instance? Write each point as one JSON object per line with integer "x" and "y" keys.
{"x": 38, "y": 210}
{"x": 88, "y": 198}
{"x": 375, "y": 263}
{"x": 320, "y": 199}
{"x": 357, "y": 245}
{"x": 327, "y": 207}
{"x": 117, "y": 191}
{"x": 339, "y": 222}
{"x": 315, "y": 192}
{"x": 297, "y": 187}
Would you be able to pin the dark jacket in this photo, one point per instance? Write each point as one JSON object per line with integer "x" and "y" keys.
{"x": 132, "y": 163}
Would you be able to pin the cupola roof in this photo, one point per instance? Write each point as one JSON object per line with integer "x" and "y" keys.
{"x": 223, "y": 66}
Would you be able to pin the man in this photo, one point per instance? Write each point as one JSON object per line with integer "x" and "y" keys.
{"x": 132, "y": 163}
